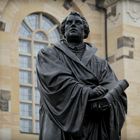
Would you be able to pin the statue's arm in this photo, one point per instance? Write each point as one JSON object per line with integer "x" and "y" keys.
{"x": 115, "y": 88}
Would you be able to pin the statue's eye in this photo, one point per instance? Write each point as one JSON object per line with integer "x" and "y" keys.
{"x": 78, "y": 22}
{"x": 69, "y": 22}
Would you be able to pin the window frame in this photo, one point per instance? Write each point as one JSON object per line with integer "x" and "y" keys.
{"x": 28, "y": 40}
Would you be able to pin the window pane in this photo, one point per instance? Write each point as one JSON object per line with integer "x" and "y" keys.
{"x": 32, "y": 21}
{"x": 37, "y": 112}
{"x": 35, "y": 63}
{"x": 25, "y": 31}
{"x": 25, "y": 46}
{"x": 37, "y": 126}
{"x": 46, "y": 23}
{"x": 35, "y": 79}
{"x": 25, "y": 109}
{"x": 37, "y": 96}
{"x": 26, "y": 125}
{"x": 39, "y": 46}
{"x": 53, "y": 36}
{"x": 25, "y": 93}
{"x": 25, "y": 61}
{"x": 40, "y": 36}
{"x": 25, "y": 77}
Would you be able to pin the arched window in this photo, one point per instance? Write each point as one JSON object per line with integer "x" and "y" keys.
{"x": 37, "y": 31}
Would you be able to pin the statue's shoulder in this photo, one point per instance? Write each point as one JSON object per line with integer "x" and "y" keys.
{"x": 99, "y": 59}
{"x": 60, "y": 44}
{"x": 50, "y": 49}
{"x": 101, "y": 62}
{"x": 91, "y": 47}
{"x": 96, "y": 58}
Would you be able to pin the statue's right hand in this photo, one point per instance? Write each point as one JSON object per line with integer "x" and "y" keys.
{"x": 97, "y": 92}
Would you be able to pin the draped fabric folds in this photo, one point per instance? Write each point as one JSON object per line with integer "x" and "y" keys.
{"x": 64, "y": 83}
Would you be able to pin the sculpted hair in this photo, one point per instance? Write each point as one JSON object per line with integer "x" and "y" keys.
{"x": 86, "y": 26}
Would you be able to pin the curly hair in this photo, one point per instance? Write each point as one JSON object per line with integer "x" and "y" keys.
{"x": 86, "y": 26}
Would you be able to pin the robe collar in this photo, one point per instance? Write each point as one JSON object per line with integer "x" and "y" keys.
{"x": 89, "y": 52}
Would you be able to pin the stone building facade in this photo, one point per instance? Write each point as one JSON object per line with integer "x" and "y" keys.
{"x": 28, "y": 25}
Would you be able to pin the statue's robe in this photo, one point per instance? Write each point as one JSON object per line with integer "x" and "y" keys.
{"x": 64, "y": 83}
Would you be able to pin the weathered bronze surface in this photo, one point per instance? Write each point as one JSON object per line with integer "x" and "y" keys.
{"x": 81, "y": 98}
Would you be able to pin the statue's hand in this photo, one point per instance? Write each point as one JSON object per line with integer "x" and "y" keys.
{"x": 98, "y": 91}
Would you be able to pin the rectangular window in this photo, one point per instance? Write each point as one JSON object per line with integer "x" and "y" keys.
{"x": 37, "y": 96}
{"x": 25, "y": 46}
{"x": 34, "y": 61}
{"x": 35, "y": 74}
{"x": 26, "y": 125}
{"x": 25, "y": 61}
{"x": 25, "y": 93}
{"x": 37, "y": 127}
{"x": 25, "y": 77}
{"x": 25, "y": 110}
{"x": 37, "y": 112}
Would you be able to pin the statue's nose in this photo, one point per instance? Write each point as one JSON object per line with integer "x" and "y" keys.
{"x": 73, "y": 24}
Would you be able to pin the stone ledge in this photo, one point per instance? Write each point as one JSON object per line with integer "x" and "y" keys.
{"x": 121, "y": 54}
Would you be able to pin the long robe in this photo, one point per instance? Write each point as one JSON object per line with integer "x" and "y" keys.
{"x": 65, "y": 83}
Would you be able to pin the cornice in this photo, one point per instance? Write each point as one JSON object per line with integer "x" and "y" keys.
{"x": 105, "y": 3}
{"x": 108, "y": 3}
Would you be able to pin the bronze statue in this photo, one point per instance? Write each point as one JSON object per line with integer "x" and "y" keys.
{"x": 81, "y": 98}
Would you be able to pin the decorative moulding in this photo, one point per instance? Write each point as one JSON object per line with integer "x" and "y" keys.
{"x": 108, "y": 3}
{"x": 133, "y": 9}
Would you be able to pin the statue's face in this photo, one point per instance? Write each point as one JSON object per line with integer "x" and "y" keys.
{"x": 74, "y": 28}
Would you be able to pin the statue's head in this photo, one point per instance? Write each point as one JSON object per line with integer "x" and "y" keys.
{"x": 74, "y": 26}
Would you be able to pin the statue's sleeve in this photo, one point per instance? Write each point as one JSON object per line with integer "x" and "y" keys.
{"x": 63, "y": 98}
{"x": 107, "y": 76}
{"x": 117, "y": 98}
{"x": 109, "y": 80}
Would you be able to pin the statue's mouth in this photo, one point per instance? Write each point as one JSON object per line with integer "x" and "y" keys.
{"x": 73, "y": 30}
